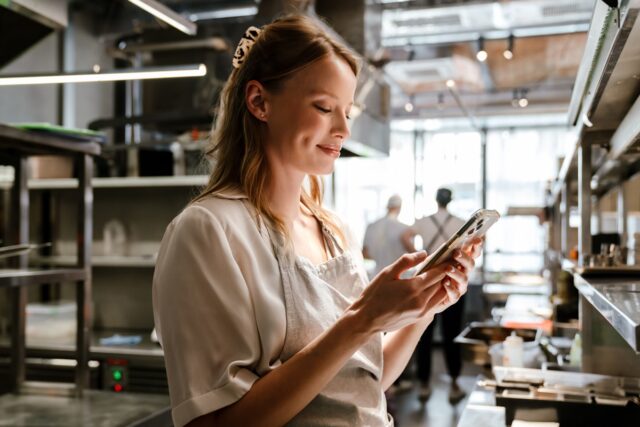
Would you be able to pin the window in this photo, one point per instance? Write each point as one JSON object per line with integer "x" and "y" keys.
{"x": 520, "y": 165}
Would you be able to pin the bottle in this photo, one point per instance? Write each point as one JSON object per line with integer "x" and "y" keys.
{"x": 513, "y": 351}
{"x": 575, "y": 354}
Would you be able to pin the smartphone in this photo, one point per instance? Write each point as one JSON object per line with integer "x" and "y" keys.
{"x": 475, "y": 227}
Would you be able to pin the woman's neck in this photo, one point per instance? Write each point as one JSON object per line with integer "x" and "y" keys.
{"x": 283, "y": 191}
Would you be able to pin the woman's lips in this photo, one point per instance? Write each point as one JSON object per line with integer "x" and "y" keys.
{"x": 333, "y": 151}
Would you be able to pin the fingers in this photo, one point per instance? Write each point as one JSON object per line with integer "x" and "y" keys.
{"x": 405, "y": 262}
{"x": 464, "y": 259}
{"x": 473, "y": 248}
{"x": 432, "y": 276}
{"x": 456, "y": 274}
{"x": 454, "y": 290}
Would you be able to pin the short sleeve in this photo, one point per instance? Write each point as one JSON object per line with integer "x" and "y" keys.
{"x": 204, "y": 317}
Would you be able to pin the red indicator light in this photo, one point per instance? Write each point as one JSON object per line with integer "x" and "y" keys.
{"x": 117, "y": 388}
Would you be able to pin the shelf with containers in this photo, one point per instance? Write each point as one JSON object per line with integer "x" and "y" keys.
{"x": 603, "y": 168}
{"x": 16, "y": 147}
{"x": 130, "y": 216}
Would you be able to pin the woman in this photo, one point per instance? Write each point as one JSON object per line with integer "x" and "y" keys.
{"x": 260, "y": 298}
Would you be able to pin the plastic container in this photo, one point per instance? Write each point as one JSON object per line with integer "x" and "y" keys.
{"x": 513, "y": 354}
{"x": 51, "y": 322}
{"x": 575, "y": 354}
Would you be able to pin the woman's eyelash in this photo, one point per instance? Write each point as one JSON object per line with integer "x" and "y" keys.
{"x": 326, "y": 110}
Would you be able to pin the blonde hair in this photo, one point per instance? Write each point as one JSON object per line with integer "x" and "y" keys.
{"x": 283, "y": 47}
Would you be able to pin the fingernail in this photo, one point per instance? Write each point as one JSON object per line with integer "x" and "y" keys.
{"x": 447, "y": 282}
{"x": 451, "y": 269}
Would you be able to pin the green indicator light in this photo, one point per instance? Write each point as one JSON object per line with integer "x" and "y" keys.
{"x": 117, "y": 375}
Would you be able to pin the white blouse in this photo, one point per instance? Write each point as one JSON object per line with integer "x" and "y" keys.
{"x": 221, "y": 327}
{"x": 218, "y": 304}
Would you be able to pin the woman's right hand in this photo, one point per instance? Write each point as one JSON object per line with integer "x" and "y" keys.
{"x": 389, "y": 302}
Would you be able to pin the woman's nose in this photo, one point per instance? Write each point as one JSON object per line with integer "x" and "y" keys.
{"x": 341, "y": 127}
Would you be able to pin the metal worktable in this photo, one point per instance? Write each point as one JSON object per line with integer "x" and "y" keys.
{"x": 481, "y": 409}
{"x": 94, "y": 408}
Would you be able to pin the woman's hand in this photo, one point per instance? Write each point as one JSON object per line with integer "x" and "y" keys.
{"x": 389, "y": 302}
{"x": 457, "y": 280}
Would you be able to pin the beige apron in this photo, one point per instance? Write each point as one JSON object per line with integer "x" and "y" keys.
{"x": 315, "y": 297}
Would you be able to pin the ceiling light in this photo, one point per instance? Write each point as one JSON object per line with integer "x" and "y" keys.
{"x": 408, "y": 107}
{"x": 523, "y": 101}
{"x": 196, "y": 70}
{"x": 508, "y": 52}
{"x": 230, "y": 12}
{"x": 482, "y": 54}
{"x": 167, "y": 15}
{"x": 451, "y": 83}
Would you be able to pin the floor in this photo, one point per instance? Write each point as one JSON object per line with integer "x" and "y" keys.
{"x": 408, "y": 411}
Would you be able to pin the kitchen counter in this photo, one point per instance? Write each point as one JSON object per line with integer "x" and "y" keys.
{"x": 94, "y": 408}
{"x": 481, "y": 409}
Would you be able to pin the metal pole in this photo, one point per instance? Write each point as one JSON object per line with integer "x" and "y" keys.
{"x": 83, "y": 287}
{"x": 418, "y": 162}
{"x": 598, "y": 216}
{"x": 20, "y": 230}
{"x": 483, "y": 166}
{"x": 483, "y": 195}
{"x": 584, "y": 202}
{"x": 622, "y": 216}
{"x": 565, "y": 215}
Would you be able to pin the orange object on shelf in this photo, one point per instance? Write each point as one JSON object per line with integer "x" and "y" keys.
{"x": 545, "y": 324}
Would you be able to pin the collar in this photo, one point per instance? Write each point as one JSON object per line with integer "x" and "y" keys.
{"x": 231, "y": 193}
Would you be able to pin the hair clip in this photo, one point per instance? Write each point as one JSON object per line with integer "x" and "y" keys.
{"x": 245, "y": 44}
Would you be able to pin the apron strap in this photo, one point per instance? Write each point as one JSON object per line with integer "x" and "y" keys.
{"x": 440, "y": 230}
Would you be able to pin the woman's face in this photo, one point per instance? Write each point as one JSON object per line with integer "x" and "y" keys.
{"x": 307, "y": 120}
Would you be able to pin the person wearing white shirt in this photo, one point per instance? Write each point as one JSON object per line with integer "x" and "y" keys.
{"x": 435, "y": 230}
{"x": 383, "y": 241}
{"x": 261, "y": 302}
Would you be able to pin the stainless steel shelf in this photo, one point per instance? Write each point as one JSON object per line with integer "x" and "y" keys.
{"x": 602, "y": 102}
{"x": 28, "y": 277}
{"x": 19, "y": 142}
{"x": 147, "y": 351}
{"x": 124, "y": 182}
{"x": 98, "y": 261}
{"x": 618, "y": 301}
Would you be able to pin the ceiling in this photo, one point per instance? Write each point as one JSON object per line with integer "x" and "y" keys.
{"x": 427, "y": 43}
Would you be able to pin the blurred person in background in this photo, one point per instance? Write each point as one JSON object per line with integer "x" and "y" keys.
{"x": 435, "y": 230}
{"x": 383, "y": 240}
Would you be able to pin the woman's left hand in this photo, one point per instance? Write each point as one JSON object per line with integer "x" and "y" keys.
{"x": 455, "y": 285}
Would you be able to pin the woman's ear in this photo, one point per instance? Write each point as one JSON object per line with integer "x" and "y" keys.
{"x": 256, "y": 100}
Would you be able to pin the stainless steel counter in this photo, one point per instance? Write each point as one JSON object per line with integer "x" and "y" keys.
{"x": 618, "y": 301}
{"x": 481, "y": 409}
{"x": 94, "y": 408}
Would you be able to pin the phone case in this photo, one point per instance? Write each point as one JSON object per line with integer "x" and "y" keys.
{"x": 476, "y": 226}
